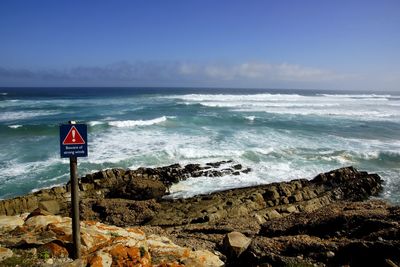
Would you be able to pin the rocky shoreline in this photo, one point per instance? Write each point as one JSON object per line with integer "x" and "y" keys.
{"x": 326, "y": 221}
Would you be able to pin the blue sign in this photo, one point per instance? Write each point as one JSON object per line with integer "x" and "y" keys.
{"x": 73, "y": 140}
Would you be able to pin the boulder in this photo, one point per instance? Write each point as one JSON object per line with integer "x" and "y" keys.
{"x": 235, "y": 243}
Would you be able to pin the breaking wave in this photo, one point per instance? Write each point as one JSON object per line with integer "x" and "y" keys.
{"x": 134, "y": 123}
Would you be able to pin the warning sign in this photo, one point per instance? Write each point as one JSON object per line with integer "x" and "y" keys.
{"x": 73, "y": 137}
{"x": 73, "y": 140}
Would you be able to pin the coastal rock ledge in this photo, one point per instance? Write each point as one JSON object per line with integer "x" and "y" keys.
{"x": 326, "y": 221}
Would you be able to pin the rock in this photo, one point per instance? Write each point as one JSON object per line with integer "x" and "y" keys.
{"x": 56, "y": 250}
{"x": 122, "y": 255}
{"x": 120, "y": 212}
{"x": 100, "y": 259}
{"x": 43, "y": 221}
{"x": 139, "y": 184}
{"x": 192, "y": 168}
{"x": 5, "y": 253}
{"x": 315, "y": 219}
{"x": 291, "y": 209}
{"x": 38, "y": 212}
{"x": 163, "y": 250}
{"x": 51, "y": 206}
{"x": 271, "y": 194}
{"x": 330, "y": 254}
{"x": 273, "y": 214}
{"x": 237, "y": 167}
{"x": 138, "y": 189}
{"x": 235, "y": 243}
{"x": 104, "y": 245}
{"x": 259, "y": 219}
{"x": 341, "y": 233}
{"x": 202, "y": 258}
{"x": 10, "y": 222}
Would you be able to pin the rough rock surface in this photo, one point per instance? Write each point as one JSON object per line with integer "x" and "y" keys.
{"x": 299, "y": 222}
{"x": 101, "y": 245}
{"x": 341, "y": 234}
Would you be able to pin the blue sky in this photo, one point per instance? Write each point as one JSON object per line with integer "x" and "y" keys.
{"x": 349, "y": 45}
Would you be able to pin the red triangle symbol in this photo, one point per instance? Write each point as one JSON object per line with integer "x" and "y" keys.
{"x": 73, "y": 137}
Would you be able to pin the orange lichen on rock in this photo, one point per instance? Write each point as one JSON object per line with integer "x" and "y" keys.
{"x": 91, "y": 223}
{"x": 107, "y": 227}
{"x": 96, "y": 261}
{"x": 135, "y": 230}
{"x": 56, "y": 250}
{"x": 186, "y": 253}
{"x": 129, "y": 256}
{"x": 118, "y": 252}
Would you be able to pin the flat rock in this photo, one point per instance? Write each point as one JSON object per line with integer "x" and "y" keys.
{"x": 10, "y": 222}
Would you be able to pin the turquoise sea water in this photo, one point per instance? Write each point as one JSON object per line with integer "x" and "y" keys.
{"x": 280, "y": 134}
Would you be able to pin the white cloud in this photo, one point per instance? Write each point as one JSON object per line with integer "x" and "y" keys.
{"x": 170, "y": 73}
{"x": 261, "y": 72}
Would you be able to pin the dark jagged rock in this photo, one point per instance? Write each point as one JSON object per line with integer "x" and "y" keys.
{"x": 343, "y": 233}
{"x": 138, "y": 189}
{"x": 139, "y": 184}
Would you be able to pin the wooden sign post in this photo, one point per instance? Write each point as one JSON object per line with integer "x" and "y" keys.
{"x": 73, "y": 144}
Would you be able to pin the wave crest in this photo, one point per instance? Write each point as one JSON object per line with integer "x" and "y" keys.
{"x": 134, "y": 123}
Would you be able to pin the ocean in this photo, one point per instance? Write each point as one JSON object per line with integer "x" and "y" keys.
{"x": 279, "y": 134}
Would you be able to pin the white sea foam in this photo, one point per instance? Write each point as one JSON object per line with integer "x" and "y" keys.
{"x": 249, "y": 104}
{"x": 94, "y": 123}
{"x": 205, "y": 185}
{"x": 3, "y": 93}
{"x": 22, "y": 170}
{"x": 264, "y": 151}
{"x": 16, "y": 126}
{"x": 355, "y": 95}
{"x": 250, "y": 118}
{"x": 133, "y": 123}
{"x": 21, "y": 115}
{"x": 367, "y": 115}
{"x": 361, "y": 106}
{"x": 267, "y": 173}
{"x": 227, "y": 97}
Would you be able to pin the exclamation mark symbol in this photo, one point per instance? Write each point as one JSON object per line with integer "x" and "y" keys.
{"x": 73, "y": 135}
